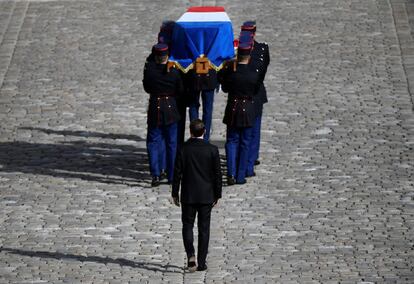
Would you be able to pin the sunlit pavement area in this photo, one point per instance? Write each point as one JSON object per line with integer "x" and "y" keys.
{"x": 333, "y": 198}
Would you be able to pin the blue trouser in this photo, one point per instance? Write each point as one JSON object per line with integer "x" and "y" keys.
{"x": 156, "y": 136}
{"x": 208, "y": 99}
{"x": 162, "y": 155}
{"x": 254, "y": 145}
{"x": 237, "y": 151}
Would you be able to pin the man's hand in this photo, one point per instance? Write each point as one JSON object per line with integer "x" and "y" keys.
{"x": 215, "y": 203}
{"x": 176, "y": 201}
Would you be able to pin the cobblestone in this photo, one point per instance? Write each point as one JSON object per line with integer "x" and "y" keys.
{"x": 333, "y": 199}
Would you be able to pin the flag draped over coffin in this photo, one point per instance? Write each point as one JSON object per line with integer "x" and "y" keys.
{"x": 202, "y": 32}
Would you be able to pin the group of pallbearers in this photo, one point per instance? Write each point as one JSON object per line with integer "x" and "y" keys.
{"x": 171, "y": 92}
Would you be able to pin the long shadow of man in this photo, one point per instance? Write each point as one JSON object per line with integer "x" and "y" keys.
{"x": 156, "y": 267}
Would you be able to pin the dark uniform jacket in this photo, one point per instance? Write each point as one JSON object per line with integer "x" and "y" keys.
{"x": 201, "y": 82}
{"x": 163, "y": 88}
{"x": 183, "y": 100}
{"x": 260, "y": 60}
{"x": 197, "y": 169}
{"x": 242, "y": 86}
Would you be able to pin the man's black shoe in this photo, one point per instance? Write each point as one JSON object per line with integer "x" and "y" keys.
{"x": 241, "y": 182}
{"x": 163, "y": 175}
{"x": 155, "y": 181}
{"x": 191, "y": 264}
{"x": 257, "y": 162}
{"x": 231, "y": 180}
{"x": 202, "y": 268}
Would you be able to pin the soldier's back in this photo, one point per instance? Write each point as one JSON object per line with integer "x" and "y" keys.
{"x": 157, "y": 80}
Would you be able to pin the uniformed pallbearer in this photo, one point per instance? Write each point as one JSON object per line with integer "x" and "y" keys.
{"x": 164, "y": 86}
{"x": 241, "y": 84}
{"x": 260, "y": 60}
{"x": 164, "y": 36}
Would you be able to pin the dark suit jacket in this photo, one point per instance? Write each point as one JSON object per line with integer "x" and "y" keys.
{"x": 197, "y": 168}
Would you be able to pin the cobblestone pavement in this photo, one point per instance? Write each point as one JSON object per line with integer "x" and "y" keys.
{"x": 332, "y": 202}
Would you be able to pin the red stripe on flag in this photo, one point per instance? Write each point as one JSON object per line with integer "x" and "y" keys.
{"x": 206, "y": 9}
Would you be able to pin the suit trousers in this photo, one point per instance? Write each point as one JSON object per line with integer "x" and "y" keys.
{"x": 208, "y": 99}
{"x": 156, "y": 137}
{"x": 254, "y": 145}
{"x": 203, "y": 212}
{"x": 238, "y": 142}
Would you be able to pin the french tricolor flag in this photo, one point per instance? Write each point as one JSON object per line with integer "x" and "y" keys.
{"x": 202, "y": 32}
{"x": 204, "y": 14}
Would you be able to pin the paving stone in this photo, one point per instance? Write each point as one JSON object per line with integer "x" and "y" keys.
{"x": 333, "y": 199}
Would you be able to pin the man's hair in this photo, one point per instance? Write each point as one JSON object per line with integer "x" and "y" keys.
{"x": 197, "y": 127}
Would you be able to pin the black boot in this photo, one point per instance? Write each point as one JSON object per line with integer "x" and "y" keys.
{"x": 155, "y": 181}
{"x": 241, "y": 181}
{"x": 252, "y": 175}
{"x": 163, "y": 175}
{"x": 231, "y": 180}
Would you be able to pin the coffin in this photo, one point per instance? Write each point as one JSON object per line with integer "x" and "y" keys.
{"x": 202, "y": 39}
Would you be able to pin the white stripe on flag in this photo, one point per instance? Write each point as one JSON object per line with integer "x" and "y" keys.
{"x": 204, "y": 17}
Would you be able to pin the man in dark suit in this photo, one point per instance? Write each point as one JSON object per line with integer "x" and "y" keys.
{"x": 198, "y": 170}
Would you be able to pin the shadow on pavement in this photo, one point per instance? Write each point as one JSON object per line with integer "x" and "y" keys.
{"x": 219, "y": 143}
{"x": 156, "y": 267}
{"x": 81, "y": 133}
{"x": 101, "y": 162}
{"x": 91, "y": 161}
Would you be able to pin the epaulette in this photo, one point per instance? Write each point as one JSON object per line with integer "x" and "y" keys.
{"x": 170, "y": 65}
